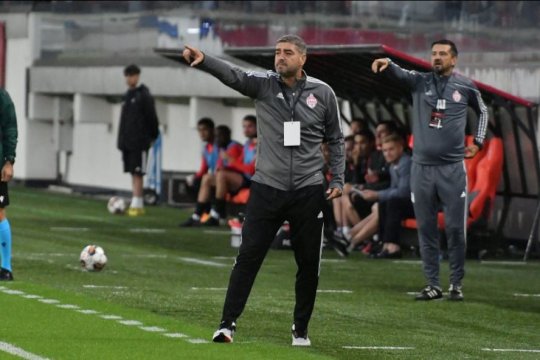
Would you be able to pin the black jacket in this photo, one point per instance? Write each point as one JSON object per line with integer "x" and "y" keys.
{"x": 138, "y": 120}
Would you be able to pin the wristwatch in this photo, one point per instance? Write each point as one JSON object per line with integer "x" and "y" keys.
{"x": 10, "y": 159}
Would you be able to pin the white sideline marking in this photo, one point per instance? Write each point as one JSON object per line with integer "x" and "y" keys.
{"x": 12, "y": 292}
{"x": 130, "y": 322}
{"x": 209, "y": 288}
{"x": 152, "y": 328}
{"x": 30, "y": 296}
{"x": 335, "y": 291}
{"x": 333, "y": 260}
{"x": 202, "y": 262}
{"x": 518, "y": 263}
{"x": 150, "y": 256}
{"x": 408, "y": 262}
{"x": 90, "y": 286}
{"x": 88, "y": 312}
{"x": 149, "y": 231}
{"x": 527, "y": 295}
{"x": 217, "y": 232}
{"x": 197, "y": 341}
{"x": 512, "y": 350}
{"x": 26, "y": 355}
{"x": 67, "y": 306}
{"x": 60, "y": 228}
{"x": 175, "y": 335}
{"x": 49, "y": 301}
{"x": 13, "y": 350}
{"x": 223, "y": 257}
{"x": 379, "y": 347}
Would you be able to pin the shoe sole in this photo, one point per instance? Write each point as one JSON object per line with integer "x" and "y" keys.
{"x": 222, "y": 338}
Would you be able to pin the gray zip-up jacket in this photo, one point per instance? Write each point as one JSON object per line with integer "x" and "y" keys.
{"x": 292, "y": 167}
{"x": 444, "y": 144}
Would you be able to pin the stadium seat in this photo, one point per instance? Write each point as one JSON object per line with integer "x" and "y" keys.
{"x": 240, "y": 198}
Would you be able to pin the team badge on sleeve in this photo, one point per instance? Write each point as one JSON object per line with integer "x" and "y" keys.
{"x": 311, "y": 101}
{"x": 456, "y": 96}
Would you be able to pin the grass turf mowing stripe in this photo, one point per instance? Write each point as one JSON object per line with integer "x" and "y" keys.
{"x": 14, "y": 350}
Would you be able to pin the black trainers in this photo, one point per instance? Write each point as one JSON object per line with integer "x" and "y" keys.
{"x": 455, "y": 293}
{"x": 225, "y": 332}
{"x": 6, "y": 275}
{"x": 300, "y": 338}
{"x": 212, "y": 221}
{"x": 190, "y": 223}
{"x": 429, "y": 293}
{"x": 340, "y": 245}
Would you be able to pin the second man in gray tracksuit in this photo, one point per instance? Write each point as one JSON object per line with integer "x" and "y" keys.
{"x": 438, "y": 175}
{"x": 296, "y": 114}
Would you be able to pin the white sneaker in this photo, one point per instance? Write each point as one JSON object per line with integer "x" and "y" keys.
{"x": 299, "y": 339}
{"x": 225, "y": 333}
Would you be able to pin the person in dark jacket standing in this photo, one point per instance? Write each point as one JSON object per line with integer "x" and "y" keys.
{"x": 138, "y": 129}
{"x": 8, "y": 129}
{"x": 295, "y": 115}
{"x": 438, "y": 175}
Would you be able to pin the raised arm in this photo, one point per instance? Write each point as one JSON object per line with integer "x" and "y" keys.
{"x": 409, "y": 77}
{"x": 247, "y": 83}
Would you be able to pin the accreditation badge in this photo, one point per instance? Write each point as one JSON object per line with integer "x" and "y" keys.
{"x": 291, "y": 133}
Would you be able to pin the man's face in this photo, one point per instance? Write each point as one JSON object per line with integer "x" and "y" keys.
{"x": 132, "y": 80}
{"x": 288, "y": 59}
{"x": 392, "y": 151}
{"x": 205, "y": 133}
{"x": 349, "y": 144}
{"x": 380, "y": 132}
{"x": 250, "y": 129}
{"x": 442, "y": 60}
{"x": 362, "y": 146}
{"x": 222, "y": 138}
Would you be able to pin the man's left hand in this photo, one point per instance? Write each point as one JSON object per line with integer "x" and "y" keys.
{"x": 471, "y": 151}
{"x": 333, "y": 193}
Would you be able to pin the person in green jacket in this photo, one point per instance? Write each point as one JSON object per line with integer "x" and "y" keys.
{"x": 8, "y": 143}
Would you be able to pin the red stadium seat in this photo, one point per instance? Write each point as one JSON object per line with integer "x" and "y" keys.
{"x": 241, "y": 198}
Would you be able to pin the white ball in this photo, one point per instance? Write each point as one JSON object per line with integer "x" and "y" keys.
{"x": 116, "y": 205}
{"x": 93, "y": 258}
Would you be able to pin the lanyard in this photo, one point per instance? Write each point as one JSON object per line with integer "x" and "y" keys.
{"x": 440, "y": 94}
{"x": 295, "y": 100}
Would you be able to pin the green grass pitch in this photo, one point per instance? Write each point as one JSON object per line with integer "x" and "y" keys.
{"x": 161, "y": 295}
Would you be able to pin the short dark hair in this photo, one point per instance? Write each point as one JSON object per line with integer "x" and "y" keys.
{"x": 453, "y": 48}
{"x": 389, "y": 124}
{"x": 132, "y": 70}
{"x": 206, "y": 122}
{"x": 225, "y": 130}
{"x": 367, "y": 134}
{"x": 250, "y": 118}
{"x": 294, "y": 39}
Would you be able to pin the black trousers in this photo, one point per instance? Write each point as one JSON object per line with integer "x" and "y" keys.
{"x": 267, "y": 208}
{"x": 391, "y": 213}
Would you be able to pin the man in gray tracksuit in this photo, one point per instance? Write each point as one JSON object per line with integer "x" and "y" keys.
{"x": 296, "y": 114}
{"x": 438, "y": 175}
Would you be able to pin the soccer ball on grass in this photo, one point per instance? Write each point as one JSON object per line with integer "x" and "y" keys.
{"x": 116, "y": 205}
{"x": 93, "y": 258}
